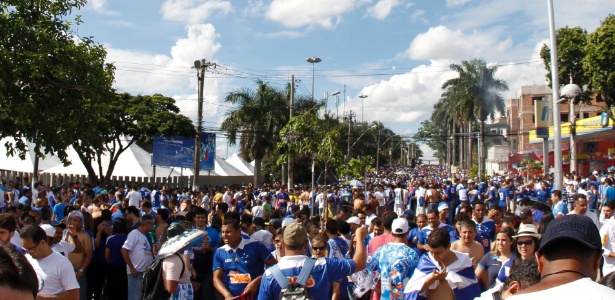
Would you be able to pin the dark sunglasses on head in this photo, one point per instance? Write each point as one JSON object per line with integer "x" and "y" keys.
{"x": 319, "y": 248}
{"x": 527, "y": 243}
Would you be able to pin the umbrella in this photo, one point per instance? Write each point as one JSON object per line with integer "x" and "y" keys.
{"x": 355, "y": 182}
{"x": 179, "y": 241}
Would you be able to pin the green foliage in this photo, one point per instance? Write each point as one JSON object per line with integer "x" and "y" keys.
{"x": 571, "y": 44}
{"x": 598, "y": 62}
{"x": 357, "y": 167}
{"x": 49, "y": 77}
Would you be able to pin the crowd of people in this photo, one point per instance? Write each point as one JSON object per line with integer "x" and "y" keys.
{"x": 401, "y": 233}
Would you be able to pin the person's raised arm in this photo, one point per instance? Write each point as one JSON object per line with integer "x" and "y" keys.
{"x": 359, "y": 254}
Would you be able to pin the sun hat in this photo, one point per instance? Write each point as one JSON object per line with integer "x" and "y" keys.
{"x": 400, "y": 226}
{"x": 354, "y": 220}
{"x": 295, "y": 235}
{"x": 527, "y": 230}
{"x": 180, "y": 239}
{"x": 50, "y": 231}
{"x": 573, "y": 227}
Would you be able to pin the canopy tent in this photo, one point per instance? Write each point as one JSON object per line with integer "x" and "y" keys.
{"x": 15, "y": 163}
{"x": 240, "y": 164}
{"x": 221, "y": 168}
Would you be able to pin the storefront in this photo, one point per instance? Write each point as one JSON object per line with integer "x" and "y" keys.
{"x": 595, "y": 143}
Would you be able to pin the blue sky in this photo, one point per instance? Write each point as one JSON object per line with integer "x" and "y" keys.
{"x": 395, "y": 51}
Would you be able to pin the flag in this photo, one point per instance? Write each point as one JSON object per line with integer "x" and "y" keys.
{"x": 460, "y": 277}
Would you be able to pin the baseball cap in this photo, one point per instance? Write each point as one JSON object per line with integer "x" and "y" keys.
{"x": 595, "y": 172}
{"x": 287, "y": 221}
{"x": 50, "y": 231}
{"x": 295, "y": 235}
{"x": 442, "y": 206}
{"x": 526, "y": 212}
{"x": 399, "y": 226}
{"x": 275, "y": 223}
{"x": 408, "y": 213}
{"x": 353, "y": 220}
{"x": 573, "y": 227}
{"x": 58, "y": 224}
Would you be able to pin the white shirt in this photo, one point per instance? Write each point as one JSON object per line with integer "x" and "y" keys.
{"x": 139, "y": 250}
{"x": 589, "y": 214}
{"x": 134, "y": 198}
{"x": 258, "y": 211}
{"x": 368, "y": 219}
{"x": 263, "y": 236}
{"x": 380, "y": 197}
{"x": 607, "y": 237}
{"x": 55, "y": 274}
{"x": 227, "y": 198}
{"x": 583, "y": 288}
{"x": 63, "y": 247}
{"x": 319, "y": 200}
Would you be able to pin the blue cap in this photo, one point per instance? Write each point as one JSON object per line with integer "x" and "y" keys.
{"x": 408, "y": 213}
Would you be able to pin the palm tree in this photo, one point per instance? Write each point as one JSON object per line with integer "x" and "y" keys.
{"x": 479, "y": 94}
{"x": 256, "y": 119}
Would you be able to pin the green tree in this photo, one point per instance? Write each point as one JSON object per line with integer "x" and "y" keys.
{"x": 49, "y": 78}
{"x": 598, "y": 63}
{"x": 480, "y": 91}
{"x": 127, "y": 120}
{"x": 256, "y": 119}
{"x": 571, "y": 43}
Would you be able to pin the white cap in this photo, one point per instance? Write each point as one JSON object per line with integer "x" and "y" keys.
{"x": 470, "y": 181}
{"x": 354, "y": 220}
{"x": 400, "y": 225}
{"x": 287, "y": 221}
{"x": 49, "y": 230}
{"x": 595, "y": 172}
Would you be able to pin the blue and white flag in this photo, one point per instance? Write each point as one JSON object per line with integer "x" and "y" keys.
{"x": 460, "y": 277}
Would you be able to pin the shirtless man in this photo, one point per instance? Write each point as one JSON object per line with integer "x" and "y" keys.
{"x": 467, "y": 244}
{"x": 358, "y": 201}
{"x": 80, "y": 260}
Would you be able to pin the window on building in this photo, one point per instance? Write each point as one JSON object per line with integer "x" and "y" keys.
{"x": 564, "y": 117}
{"x": 585, "y": 115}
{"x": 534, "y": 119}
{"x": 536, "y": 99}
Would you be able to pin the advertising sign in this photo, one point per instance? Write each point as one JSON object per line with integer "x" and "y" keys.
{"x": 541, "y": 113}
{"x": 178, "y": 151}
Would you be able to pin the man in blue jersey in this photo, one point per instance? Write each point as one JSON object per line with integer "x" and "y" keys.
{"x": 238, "y": 265}
{"x": 485, "y": 227}
{"x": 433, "y": 220}
{"x": 201, "y": 252}
{"x": 326, "y": 271}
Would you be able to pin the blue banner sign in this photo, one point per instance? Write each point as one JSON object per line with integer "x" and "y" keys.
{"x": 178, "y": 151}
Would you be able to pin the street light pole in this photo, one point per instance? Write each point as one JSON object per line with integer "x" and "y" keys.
{"x": 378, "y": 151}
{"x": 557, "y": 139}
{"x": 200, "y": 65}
{"x": 313, "y": 60}
{"x": 362, "y": 105}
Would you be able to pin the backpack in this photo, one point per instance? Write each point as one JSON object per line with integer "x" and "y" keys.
{"x": 298, "y": 290}
{"x": 152, "y": 286}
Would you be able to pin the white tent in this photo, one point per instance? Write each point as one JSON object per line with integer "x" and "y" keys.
{"x": 240, "y": 164}
{"x": 15, "y": 163}
{"x": 134, "y": 161}
{"x": 221, "y": 168}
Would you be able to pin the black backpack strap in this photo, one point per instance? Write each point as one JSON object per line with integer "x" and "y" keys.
{"x": 308, "y": 265}
{"x": 279, "y": 276}
{"x": 183, "y": 265}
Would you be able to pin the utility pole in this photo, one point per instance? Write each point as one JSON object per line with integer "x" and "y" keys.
{"x": 200, "y": 66}
{"x": 349, "y": 134}
{"x": 292, "y": 104}
{"x": 378, "y": 151}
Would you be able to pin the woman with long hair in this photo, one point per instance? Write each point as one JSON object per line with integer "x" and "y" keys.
{"x": 527, "y": 241}
{"x": 490, "y": 265}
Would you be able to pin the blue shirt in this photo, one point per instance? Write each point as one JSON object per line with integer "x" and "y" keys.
{"x": 542, "y": 195}
{"x": 396, "y": 263}
{"x": 58, "y": 211}
{"x": 337, "y": 248}
{"x": 241, "y": 265}
{"x": 114, "y": 244}
{"x": 427, "y": 230}
{"x": 203, "y": 260}
{"x": 560, "y": 208}
{"x": 413, "y": 239}
{"x": 503, "y": 197}
{"x": 326, "y": 271}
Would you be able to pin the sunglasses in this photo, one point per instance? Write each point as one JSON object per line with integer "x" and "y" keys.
{"x": 319, "y": 248}
{"x": 527, "y": 243}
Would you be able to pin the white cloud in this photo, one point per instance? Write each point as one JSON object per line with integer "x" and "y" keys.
{"x": 321, "y": 13}
{"x": 193, "y": 11}
{"x": 443, "y": 43}
{"x": 100, "y": 6}
{"x": 283, "y": 34}
{"x": 453, "y": 3}
{"x": 171, "y": 74}
{"x": 382, "y": 9}
{"x": 417, "y": 15}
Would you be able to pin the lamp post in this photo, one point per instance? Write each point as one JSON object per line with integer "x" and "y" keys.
{"x": 313, "y": 60}
{"x": 362, "y": 105}
{"x": 557, "y": 133}
{"x": 337, "y": 102}
{"x": 569, "y": 92}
